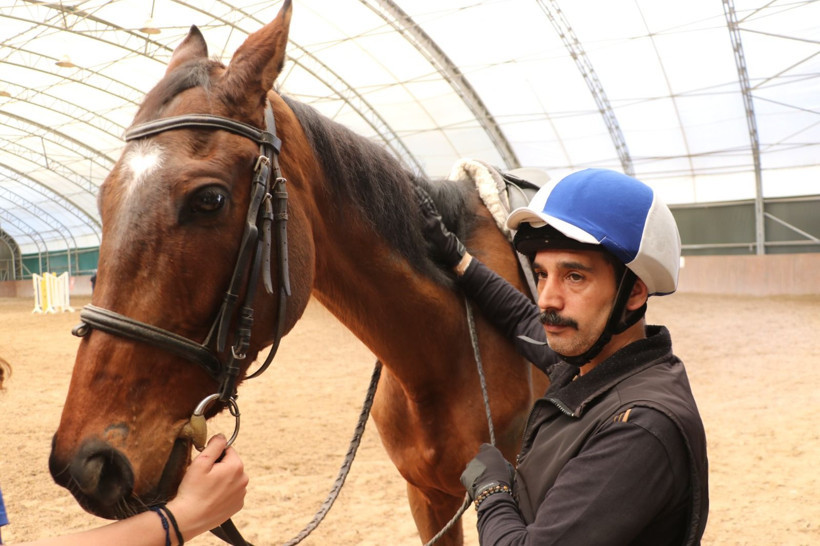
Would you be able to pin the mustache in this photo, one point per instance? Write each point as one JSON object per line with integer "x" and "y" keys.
{"x": 552, "y": 318}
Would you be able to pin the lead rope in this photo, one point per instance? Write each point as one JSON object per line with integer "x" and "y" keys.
{"x": 359, "y": 431}
{"x": 348, "y": 461}
{"x": 483, "y": 380}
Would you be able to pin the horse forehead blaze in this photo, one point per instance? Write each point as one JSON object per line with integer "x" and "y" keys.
{"x": 143, "y": 159}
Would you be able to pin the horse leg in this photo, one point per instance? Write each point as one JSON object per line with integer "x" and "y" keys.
{"x": 432, "y": 511}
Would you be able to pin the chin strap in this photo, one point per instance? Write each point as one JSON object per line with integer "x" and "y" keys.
{"x": 619, "y": 320}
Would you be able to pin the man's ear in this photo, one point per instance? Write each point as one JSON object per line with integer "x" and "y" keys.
{"x": 638, "y": 296}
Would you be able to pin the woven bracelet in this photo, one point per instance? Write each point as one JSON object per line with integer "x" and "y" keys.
{"x": 500, "y": 488}
{"x": 164, "y": 520}
{"x": 173, "y": 520}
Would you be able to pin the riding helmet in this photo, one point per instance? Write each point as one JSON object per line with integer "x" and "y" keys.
{"x": 604, "y": 208}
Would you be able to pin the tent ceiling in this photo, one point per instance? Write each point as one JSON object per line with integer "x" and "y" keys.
{"x": 647, "y": 87}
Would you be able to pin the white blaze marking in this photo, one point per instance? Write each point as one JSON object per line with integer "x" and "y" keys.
{"x": 144, "y": 159}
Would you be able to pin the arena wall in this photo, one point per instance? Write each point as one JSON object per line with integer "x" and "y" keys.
{"x": 767, "y": 275}
{"x": 79, "y": 285}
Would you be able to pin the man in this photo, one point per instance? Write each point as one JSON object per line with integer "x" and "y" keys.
{"x": 615, "y": 451}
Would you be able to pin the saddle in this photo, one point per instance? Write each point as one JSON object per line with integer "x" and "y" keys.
{"x": 502, "y": 192}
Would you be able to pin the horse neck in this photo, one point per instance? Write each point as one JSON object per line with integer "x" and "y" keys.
{"x": 391, "y": 307}
{"x": 357, "y": 273}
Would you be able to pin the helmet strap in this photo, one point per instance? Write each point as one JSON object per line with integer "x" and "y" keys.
{"x": 619, "y": 320}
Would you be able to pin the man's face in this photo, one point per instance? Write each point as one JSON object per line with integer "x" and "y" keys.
{"x": 576, "y": 290}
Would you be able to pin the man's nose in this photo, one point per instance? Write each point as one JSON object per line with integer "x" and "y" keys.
{"x": 549, "y": 294}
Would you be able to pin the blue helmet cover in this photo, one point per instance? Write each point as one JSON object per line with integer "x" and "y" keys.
{"x": 616, "y": 211}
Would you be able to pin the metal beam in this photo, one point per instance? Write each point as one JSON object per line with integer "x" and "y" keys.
{"x": 16, "y": 256}
{"x": 452, "y": 74}
{"x": 751, "y": 120}
{"x": 90, "y": 221}
{"x": 45, "y": 217}
{"x": 576, "y": 50}
{"x": 306, "y": 60}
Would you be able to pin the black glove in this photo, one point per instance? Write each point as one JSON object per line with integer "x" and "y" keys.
{"x": 487, "y": 471}
{"x": 448, "y": 249}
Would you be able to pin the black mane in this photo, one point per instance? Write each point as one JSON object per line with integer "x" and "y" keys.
{"x": 380, "y": 187}
{"x": 195, "y": 73}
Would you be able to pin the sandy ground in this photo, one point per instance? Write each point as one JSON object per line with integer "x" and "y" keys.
{"x": 754, "y": 364}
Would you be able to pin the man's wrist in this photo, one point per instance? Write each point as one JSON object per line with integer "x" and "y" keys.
{"x": 461, "y": 267}
{"x": 490, "y": 490}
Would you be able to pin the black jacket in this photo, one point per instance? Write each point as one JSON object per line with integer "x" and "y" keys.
{"x": 617, "y": 456}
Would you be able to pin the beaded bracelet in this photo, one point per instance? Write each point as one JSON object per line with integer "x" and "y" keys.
{"x": 498, "y": 488}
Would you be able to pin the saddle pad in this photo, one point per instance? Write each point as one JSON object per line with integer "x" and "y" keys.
{"x": 501, "y": 193}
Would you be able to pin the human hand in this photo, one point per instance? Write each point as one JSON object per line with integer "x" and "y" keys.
{"x": 449, "y": 249}
{"x": 488, "y": 469}
{"x": 210, "y": 491}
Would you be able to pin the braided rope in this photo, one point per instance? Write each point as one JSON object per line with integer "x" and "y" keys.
{"x": 348, "y": 460}
{"x": 483, "y": 380}
{"x": 359, "y": 431}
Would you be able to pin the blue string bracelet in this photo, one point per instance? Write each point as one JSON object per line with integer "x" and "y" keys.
{"x": 173, "y": 520}
{"x": 164, "y": 520}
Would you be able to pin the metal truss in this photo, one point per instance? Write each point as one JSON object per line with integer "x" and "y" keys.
{"x": 576, "y": 50}
{"x": 308, "y": 62}
{"x": 452, "y": 74}
{"x": 91, "y": 222}
{"x": 751, "y": 121}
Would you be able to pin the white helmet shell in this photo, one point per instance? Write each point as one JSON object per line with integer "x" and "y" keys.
{"x": 616, "y": 211}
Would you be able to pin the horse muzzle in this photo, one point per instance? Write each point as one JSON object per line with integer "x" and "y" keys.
{"x": 101, "y": 478}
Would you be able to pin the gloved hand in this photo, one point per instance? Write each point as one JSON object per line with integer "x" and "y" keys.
{"x": 487, "y": 470}
{"x": 449, "y": 249}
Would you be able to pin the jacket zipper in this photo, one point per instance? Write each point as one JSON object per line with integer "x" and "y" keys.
{"x": 561, "y": 407}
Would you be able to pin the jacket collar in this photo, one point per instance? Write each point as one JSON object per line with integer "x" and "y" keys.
{"x": 574, "y": 394}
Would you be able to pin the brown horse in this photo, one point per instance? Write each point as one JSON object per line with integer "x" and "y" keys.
{"x": 174, "y": 211}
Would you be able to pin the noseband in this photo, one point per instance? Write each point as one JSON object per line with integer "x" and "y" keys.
{"x": 266, "y": 207}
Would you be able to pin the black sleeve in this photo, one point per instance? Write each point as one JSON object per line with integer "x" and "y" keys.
{"x": 629, "y": 483}
{"x": 509, "y": 310}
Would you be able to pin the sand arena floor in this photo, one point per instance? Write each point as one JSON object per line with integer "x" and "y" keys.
{"x": 754, "y": 364}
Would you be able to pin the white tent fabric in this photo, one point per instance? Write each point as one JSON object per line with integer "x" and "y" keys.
{"x": 705, "y": 100}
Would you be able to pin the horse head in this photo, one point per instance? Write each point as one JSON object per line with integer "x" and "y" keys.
{"x": 183, "y": 227}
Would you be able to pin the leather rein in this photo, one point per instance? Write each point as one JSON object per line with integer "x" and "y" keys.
{"x": 268, "y": 206}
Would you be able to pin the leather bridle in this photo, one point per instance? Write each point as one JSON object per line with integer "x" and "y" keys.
{"x": 267, "y": 206}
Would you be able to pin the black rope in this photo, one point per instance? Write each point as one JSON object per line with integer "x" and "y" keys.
{"x": 348, "y": 461}
{"x": 483, "y": 380}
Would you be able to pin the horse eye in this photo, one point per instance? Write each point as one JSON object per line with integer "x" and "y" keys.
{"x": 208, "y": 200}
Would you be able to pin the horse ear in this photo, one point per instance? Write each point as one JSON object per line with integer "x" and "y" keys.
{"x": 260, "y": 59}
{"x": 192, "y": 47}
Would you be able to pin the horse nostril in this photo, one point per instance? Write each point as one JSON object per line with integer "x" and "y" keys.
{"x": 88, "y": 478}
{"x": 102, "y": 473}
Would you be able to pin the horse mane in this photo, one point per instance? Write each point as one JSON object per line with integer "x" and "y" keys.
{"x": 360, "y": 172}
{"x": 196, "y": 73}
{"x": 379, "y": 186}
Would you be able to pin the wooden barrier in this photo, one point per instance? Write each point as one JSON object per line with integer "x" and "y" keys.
{"x": 767, "y": 275}
{"x": 51, "y": 293}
